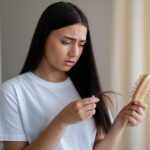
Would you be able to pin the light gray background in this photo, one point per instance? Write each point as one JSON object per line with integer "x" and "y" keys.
{"x": 19, "y": 19}
{"x": 0, "y": 40}
{"x": 1, "y": 148}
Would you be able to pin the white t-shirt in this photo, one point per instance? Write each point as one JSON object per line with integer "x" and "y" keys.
{"x": 28, "y": 104}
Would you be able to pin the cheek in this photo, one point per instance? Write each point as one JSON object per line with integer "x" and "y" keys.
{"x": 55, "y": 51}
{"x": 50, "y": 49}
{"x": 55, "y": 54}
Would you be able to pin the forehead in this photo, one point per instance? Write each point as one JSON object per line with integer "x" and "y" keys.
{"x": 77, "y": 31}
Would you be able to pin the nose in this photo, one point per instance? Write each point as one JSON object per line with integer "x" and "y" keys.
{"x": 74, "y": 51}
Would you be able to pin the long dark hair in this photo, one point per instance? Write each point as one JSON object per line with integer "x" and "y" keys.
{"x": 83, "y": 74}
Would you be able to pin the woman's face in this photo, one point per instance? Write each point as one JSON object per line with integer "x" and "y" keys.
{"x": 64, "y": 46}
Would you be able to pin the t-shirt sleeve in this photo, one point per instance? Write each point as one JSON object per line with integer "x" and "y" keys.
{"x": 11, "y": 127}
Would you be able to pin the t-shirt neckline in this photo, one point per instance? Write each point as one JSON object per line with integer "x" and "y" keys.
{"x": 60, "y": 84}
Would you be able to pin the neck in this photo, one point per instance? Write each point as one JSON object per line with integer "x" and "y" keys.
{"x": 44, "y": 71}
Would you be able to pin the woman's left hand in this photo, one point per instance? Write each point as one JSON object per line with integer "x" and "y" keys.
{"x": 136, "y": 113}
{"x": 132, "y": 114}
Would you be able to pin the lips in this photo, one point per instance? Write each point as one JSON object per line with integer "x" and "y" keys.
{"x": 69, "y": 63}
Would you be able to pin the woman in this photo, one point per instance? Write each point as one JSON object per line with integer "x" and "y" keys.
{"x": 56, "y": 103}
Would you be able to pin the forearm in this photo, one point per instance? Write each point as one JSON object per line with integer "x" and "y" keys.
{"x": 111, "y": 140}
{"x": 50, "y": 138}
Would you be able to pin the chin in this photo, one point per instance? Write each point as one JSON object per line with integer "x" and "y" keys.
{"x": 66, "y": 69}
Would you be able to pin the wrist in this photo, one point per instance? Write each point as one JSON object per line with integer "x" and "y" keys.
{"x": 119, "y": 125}
{"x": 60, "y": 121}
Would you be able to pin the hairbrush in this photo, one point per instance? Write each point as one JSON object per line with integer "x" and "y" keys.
{"x": 141, "y": 88}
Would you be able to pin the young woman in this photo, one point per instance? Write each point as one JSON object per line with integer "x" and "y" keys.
{"x": 56, "y": 103}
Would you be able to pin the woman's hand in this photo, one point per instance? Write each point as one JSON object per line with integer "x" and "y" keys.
{"x": 78, "y": 110}
{"x": 132, "y": 114}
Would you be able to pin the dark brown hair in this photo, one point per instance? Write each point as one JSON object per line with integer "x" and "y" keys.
{"x": 84, "y": 73}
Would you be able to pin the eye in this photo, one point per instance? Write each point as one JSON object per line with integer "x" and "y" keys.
{"x": 81, "y": 45}
{"x": 65, "y": 42}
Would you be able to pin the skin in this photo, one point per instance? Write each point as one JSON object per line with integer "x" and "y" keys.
{"x": 66, "y": 44}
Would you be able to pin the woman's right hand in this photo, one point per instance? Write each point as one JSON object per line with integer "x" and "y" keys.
{"x": 78, "y": 110}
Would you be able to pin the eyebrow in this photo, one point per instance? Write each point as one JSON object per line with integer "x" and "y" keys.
{"x": 73, "y": 39}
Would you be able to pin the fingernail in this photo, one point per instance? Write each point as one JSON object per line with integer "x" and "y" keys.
{"x": 97, "y": 99}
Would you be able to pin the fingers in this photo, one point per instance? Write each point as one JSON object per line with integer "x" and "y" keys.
{"x": 89, "y": 107}
{"x": 90, "y": 113}
{"x": 79, "y": 110}
{"x": 135, "y": 116}
{"x": 89, "y": 100}
{"x": 89, "y": 104}
{"x": 140, "y": 104}
{"x": 137, "y": 109}
{"x": 135, "y": 112}
{"x": 86, "y": 107}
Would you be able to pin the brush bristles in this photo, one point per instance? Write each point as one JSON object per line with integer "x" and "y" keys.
{"x": 141, "y": 88}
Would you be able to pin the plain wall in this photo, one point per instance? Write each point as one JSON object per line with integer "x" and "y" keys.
{"x": 0, "y": 46}
{"x": 0, "y": 55}
{"x": 19, "y": 19}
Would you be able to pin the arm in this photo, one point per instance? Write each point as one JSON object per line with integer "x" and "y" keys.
{"x": 111, "y": 140}
{"x": 50, "y": 138}
{"x": 47, "y": 140}
{"x": 134, "y": 113}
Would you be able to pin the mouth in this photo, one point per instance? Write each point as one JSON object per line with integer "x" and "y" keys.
{"x": 69, "y": 63}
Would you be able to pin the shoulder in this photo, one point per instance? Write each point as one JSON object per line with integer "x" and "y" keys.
{"x": 9, "y": 86}
{"x": 9, "y": 92}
